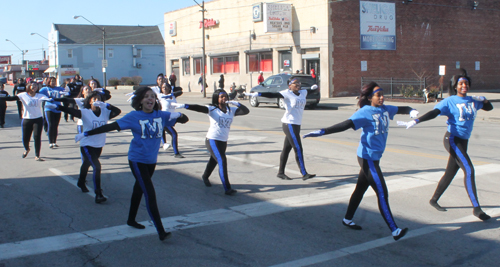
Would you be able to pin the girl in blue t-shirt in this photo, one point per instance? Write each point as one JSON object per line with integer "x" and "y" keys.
{"x": 146, "y": 123}
{"x": 52, "y": 115}
{"x": 461, "y": 111}
{"x": 373, "y": 117}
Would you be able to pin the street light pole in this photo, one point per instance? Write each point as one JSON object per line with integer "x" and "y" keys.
{"x": 104, "y": 62}
{"x": 203, "y": 56}
{"x": 55, "y": 55}
{"x": 22, "y": 52}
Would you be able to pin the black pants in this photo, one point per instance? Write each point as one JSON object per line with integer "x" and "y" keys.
{"x": 217, "y": 151}
{"x": 20, "y": 108}
{"x": 90, "y": 157}
{"x": 172, "y": 132}
{"x": 292, "y": 140}
{"x": 143, "y": 185}
{"x": 29, "y": 127}
{"x": 371, "y": 175}
{"x": 459, "y": 159}
{"x": 53, "y": 120}
{"x": 3, "y": 110}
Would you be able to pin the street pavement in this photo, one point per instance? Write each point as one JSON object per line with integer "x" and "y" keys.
{"x": 47, "y": 221}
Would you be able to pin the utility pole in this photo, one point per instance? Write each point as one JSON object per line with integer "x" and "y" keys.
{"x": 55, "y": 55}
{"x": 204, "y": 79}
{"x": 23, "y": 52}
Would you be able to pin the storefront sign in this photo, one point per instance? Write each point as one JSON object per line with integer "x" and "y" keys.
{"x": 209, "y": 23}
{"x": 257, "y": 12}
{"x": 4, "y": 59}
{"x": 377, "y": 25}
{"x": 69, "y": 71}
{"x": 172, "y": 28}
{"x": 277, "y": 17}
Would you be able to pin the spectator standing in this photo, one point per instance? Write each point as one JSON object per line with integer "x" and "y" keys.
{"x": 260, "y": 79}
{"x": 172, "y": 79}
{"x": 221, "y": 81}
{"x": 20, "y": 87}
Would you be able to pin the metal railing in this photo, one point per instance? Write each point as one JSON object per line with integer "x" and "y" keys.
{"x": 395, "y": 84}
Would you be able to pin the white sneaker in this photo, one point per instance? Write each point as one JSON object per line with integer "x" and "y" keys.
{"x": 51, "y": 146}
{"x": 166, "y": 146}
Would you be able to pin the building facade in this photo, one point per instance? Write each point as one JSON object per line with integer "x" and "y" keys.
{"x": 343, "y": 41}
{"x": 130, "y": 51}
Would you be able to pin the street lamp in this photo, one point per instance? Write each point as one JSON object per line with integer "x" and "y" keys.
{"x": 55, "y": 54}
{"x": 23, "y": 52}
{"x": 104, "y": 62}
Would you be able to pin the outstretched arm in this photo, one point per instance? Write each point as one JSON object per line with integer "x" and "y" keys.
{"x": 9, "y": 98}
{"x": 339, "y": 127}
{"x": 197, "y": 108}
{"x": 74, "y": 112}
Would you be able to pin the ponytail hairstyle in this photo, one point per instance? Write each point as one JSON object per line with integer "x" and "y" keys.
{"x": 98, "y": 84}
{"x": 139, "y": 96}
{"x": 215, "y": 96}
{"x": 366, "y": 94}
{"x": 86, "y": 101}
{"x": 82, "y": 89}
{"x": 462, "y": 73}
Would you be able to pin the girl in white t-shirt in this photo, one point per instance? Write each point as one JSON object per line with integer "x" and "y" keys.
{"x": 168, "y": 100}
{"x": 221, "y": 117}
{"x": 32, "y": 123}
{"x": 93, "y": 113}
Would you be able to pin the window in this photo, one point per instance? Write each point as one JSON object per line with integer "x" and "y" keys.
{"x": 285, "y": 61}
{"x": 186, "y": 66}
{"x": 111, "y": 52}
{"x": 139, "y": 53}
{"x": 225, "y": 64}
{"x": 260, "y": 62}
{"x": 70, "y": 53}
{"x": 197, "y": 65}
{"x": 99, "y": 52}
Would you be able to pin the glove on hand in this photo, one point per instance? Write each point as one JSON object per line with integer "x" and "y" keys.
{"x": 314, "y": 134}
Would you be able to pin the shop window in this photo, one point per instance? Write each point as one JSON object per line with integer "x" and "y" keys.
{"x": 186, "y": 66}
{"x": 70, "y": 53}
{"x": 285, "y": 58}
{"x": 197, "y": 65}
{"x": 111, "y": 52}
{"x": 225, "y": 64}
{"x": 260, "y": 62}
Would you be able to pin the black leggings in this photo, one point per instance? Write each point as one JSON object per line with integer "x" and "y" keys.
{"x": 292, "y": 140}
{"x": 371, "y": 175}
{"x": 172, "y": 132}
{"x": 3, "y": 110}
{"x": 457, "y": 147}
{"x": 90, "y": 157}
{"x": 69, "y": 105}
{"x": 143, "y": 185}
{"x": 29, "y": 127}
{"x": 217, "y": 151}
{"x": 53, "y": 119}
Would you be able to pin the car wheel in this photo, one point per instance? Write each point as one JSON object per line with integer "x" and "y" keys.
{"x": 281, "y": 103}
{"x": 312, "y": 106}
{"x": 254, "y": 102}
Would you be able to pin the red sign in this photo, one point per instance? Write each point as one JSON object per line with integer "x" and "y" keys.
{"x": 4, "y": 59}
{"x": 209, "y": 23}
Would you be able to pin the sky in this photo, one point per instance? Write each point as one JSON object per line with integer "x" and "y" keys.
{"x": 21, "y": 18}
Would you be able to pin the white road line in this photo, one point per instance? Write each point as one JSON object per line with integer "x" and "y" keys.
{"x": 71, "y": 180}
{"x": 341, "y": 194}
{"x": 348, "y": 251}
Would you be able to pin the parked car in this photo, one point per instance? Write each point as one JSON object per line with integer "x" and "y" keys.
{"x": 278, "y": 82}
{"x": 39, "y": 80}
{"x": 3, "y": 80}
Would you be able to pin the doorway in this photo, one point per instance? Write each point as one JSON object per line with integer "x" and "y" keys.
{"x": 313, "y": 64}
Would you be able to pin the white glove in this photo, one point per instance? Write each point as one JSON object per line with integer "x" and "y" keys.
{"x": 177, "y": 105}
{"x": 478, "y": 98}
{"x": 174, "y": 115}
{"x": 252, "y": 94}
{"x": 129, "y": 94}
{"x": 408, "y": 124}
{"x": 413, "y": 113}
{"x": 314, "y": 87}
{"x": 100, "y": 90}
{"x": 100, "y": 104}
{"x": 50, "y": 105}
{"x": 131, "y": 97}
{"x": 64, "y": 93}
{"x": 79, "y": 137}
{"x": 234, "y": 103}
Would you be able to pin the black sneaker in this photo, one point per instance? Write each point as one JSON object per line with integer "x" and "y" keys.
{"x": 401, "y": 234}
{"x": 99, "y": 198}
{"x": 283, "y": 176}
{"x": 308, "y": 176}
{"x": 352, "y": 225}
{"x": 165, "y": 235}
{"x": 179, "y": 156}
{"x": 83, "y": 187}
{"x": 230, "y": 192}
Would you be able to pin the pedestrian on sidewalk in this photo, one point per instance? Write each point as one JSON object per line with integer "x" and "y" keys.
{"x": 146, "y": 123}
{"x": 373, "y": 118}
{"x": 260, "y": 79}
{"x": 461, "y": 111}
{"x": 172, "y": 79}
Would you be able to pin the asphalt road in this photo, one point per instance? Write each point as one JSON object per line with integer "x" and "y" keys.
{"x": 47, "y": 221}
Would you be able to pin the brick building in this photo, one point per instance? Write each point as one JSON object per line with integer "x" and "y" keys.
{"x": 327, "y": 35}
